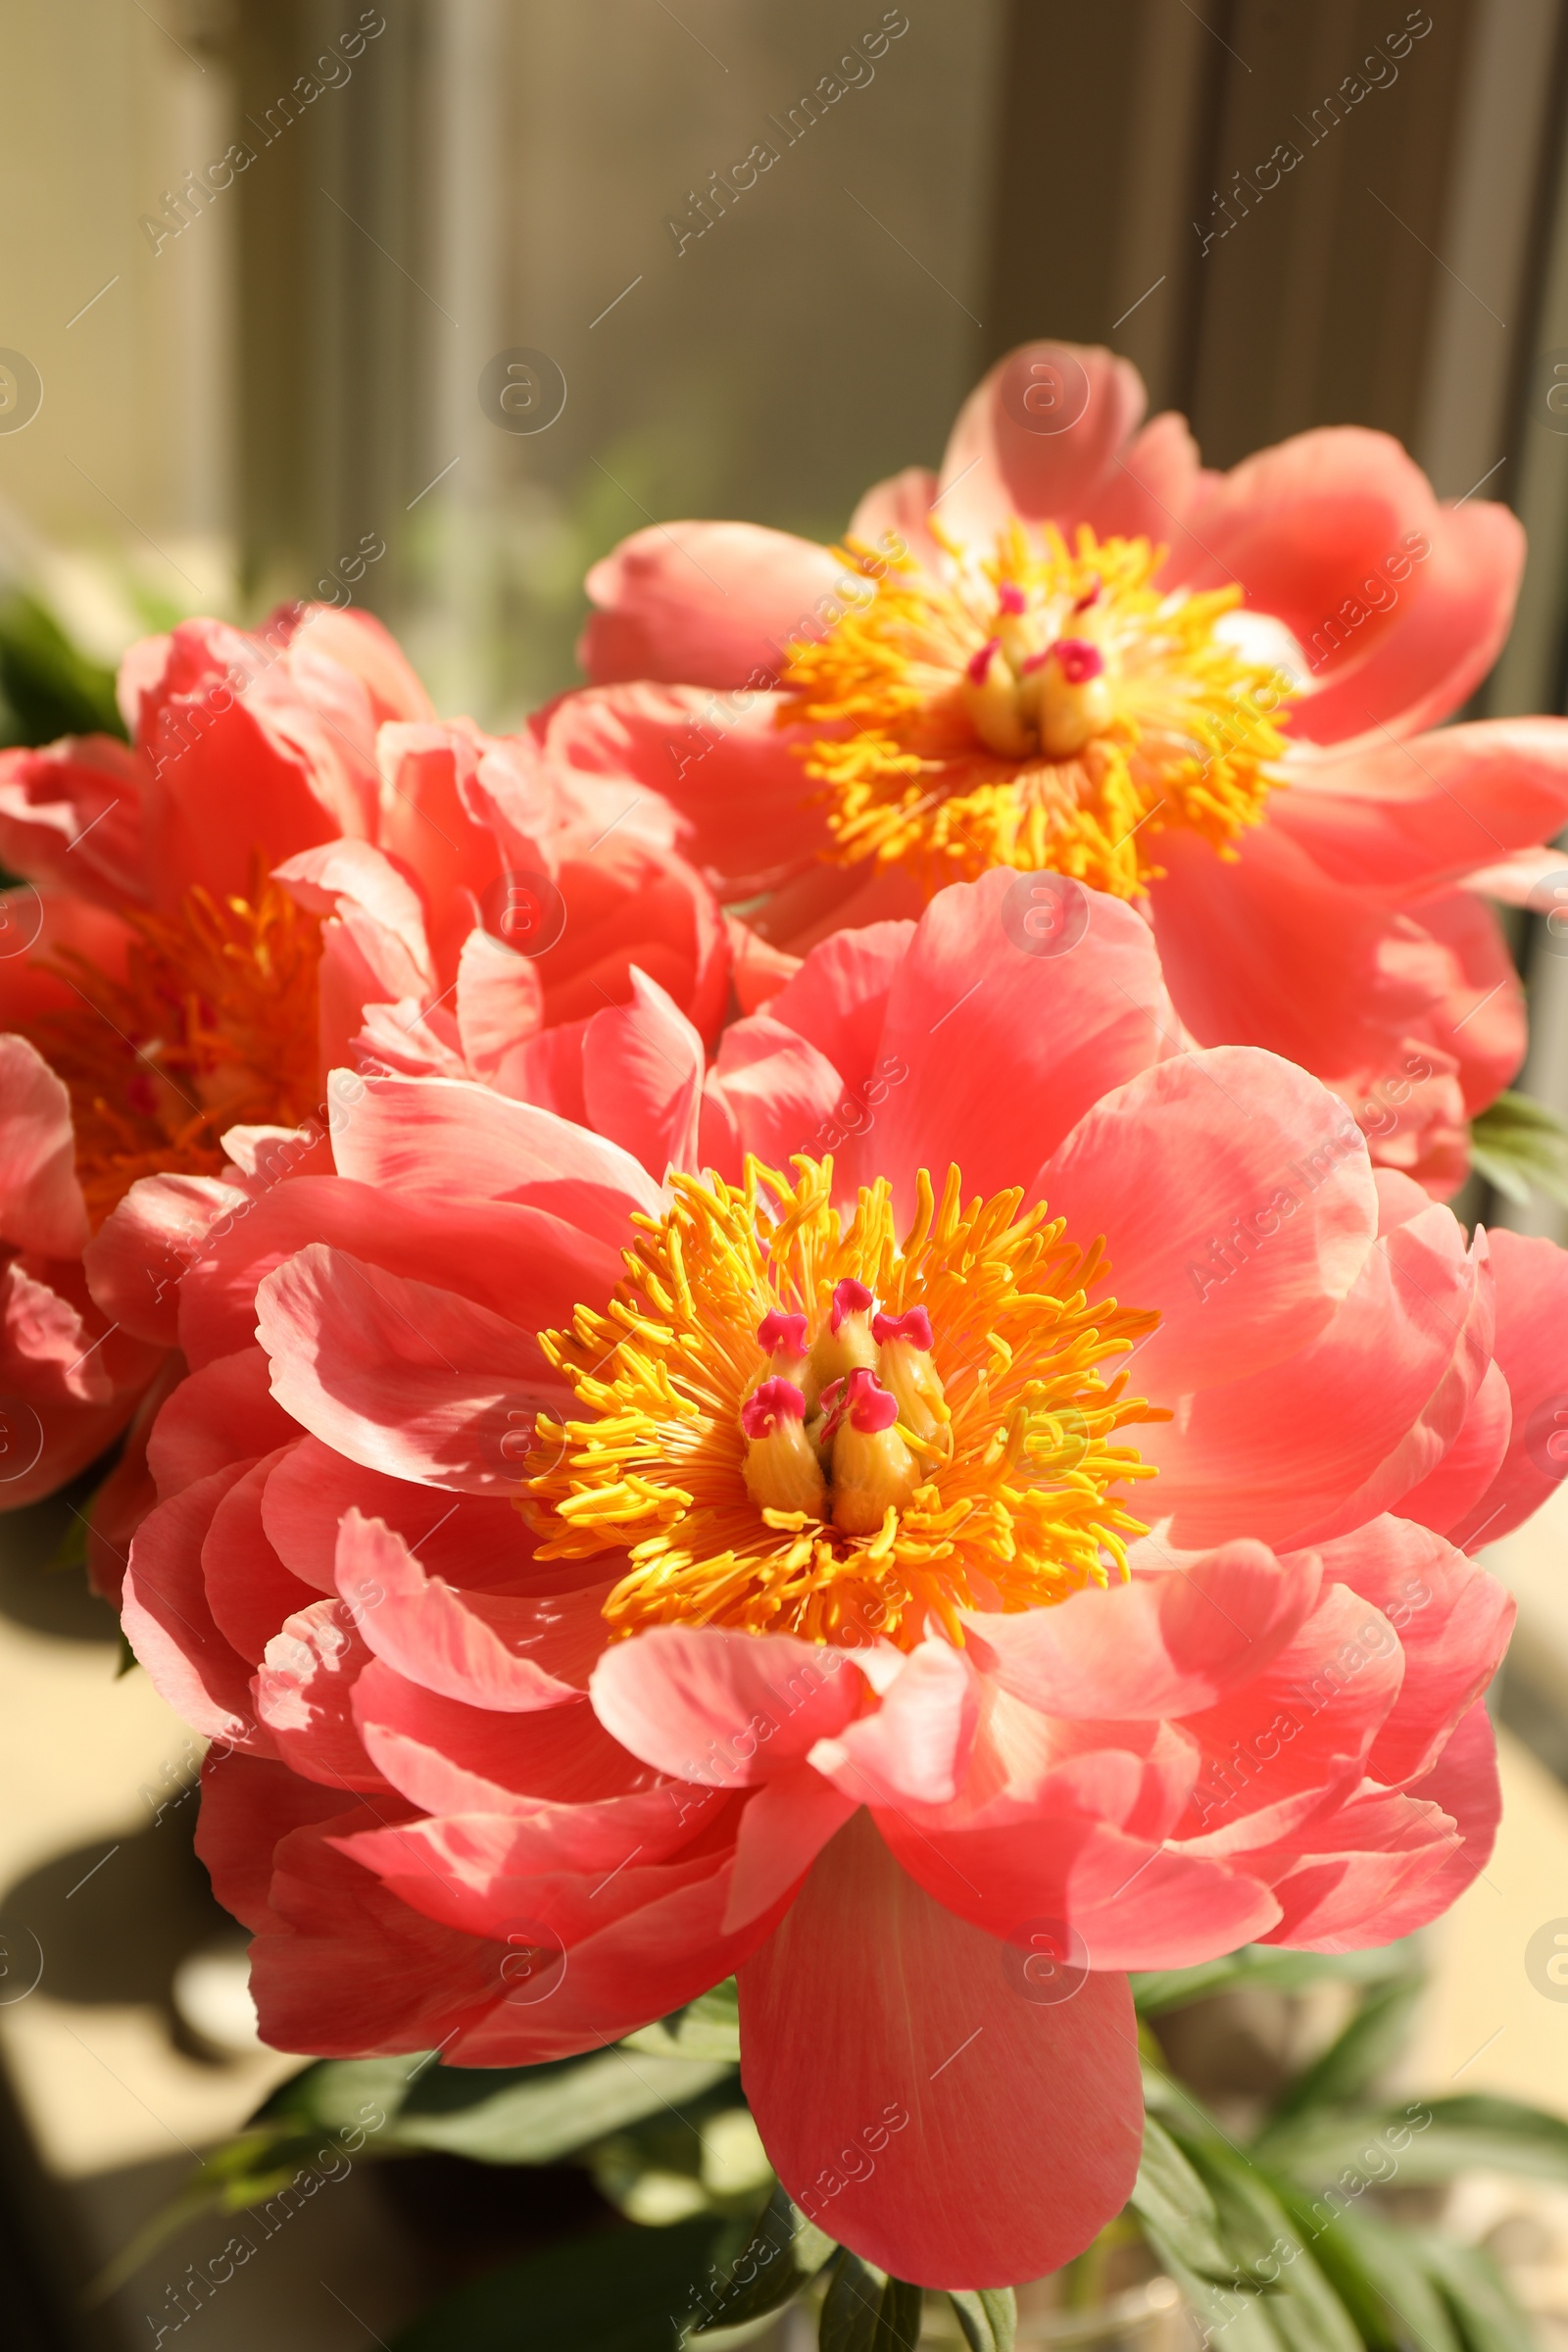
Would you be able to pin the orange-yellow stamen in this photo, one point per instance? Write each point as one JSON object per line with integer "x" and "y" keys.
{"x": 989, "y": 1477}
{"x": 1044, "y": 706}
{"x": 214, "y": 1025}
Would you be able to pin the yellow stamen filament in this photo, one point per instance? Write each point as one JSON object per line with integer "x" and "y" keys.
{"x": 214, "y": 1027}
{"x": 954, "y": 738}
{"x": 1015, "y": 1503}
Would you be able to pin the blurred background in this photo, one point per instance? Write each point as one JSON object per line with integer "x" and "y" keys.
{"x": 267, "y": 264}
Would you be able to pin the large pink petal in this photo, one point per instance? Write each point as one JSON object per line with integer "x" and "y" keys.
{"x": 1169, "y": 1165}
{"x": 449, "y": 1757}
{"x": 915, "y": 2104}
{"x": 1452, "y": 1620}
{"x": 303, "y": 1696}
{"x": 779, "y": 1095}
{"x": 1005, "y": 456}
{"x": 838, "y": 999}
{"x": 399, "y": 1375}
{"x": 1395, "y": 1863}
{"x": 468, "y": 1540}
{"x": 1442, "y": 639}
{"x": 1341, "y": 1429}
{"x": 989, "y": 1052}
{"x": 249, "y": 1591}
{"x": 642, "y": 1069}
{"x": 71, "y": 814}
{"x": 711, "y": 602}
{"x": 223, "y": 1413}
{"x": 720, "y": 1708}
{"x": 170, "y": 1624}
{"x": 1404, "y": 817}
{"x": 444, "y": 1136}
{"x": 487, "y": 1649}
{"x": 1382, "y": 1020}
{"x": 1532, "y": 1278}
{"x": 358, "y": 642}
{"x": 738, "y": 780}
{"x": 1165, "y": 1644}
{"x": 42, "y": 1207}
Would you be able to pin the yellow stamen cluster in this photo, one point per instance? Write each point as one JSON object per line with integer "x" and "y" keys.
{"x": 927, "y": 764}
{"x": 214, "y": 1027}
{"x": 1016, "y": 1507}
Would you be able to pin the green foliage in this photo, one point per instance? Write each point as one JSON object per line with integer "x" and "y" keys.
{"x": 989, "y": 2319}
{"x": 1521, "y": 1147}
{"x": 621, "y": 2290}
{"x": 863, "y": 2311}
{"x": 47, "y": 687}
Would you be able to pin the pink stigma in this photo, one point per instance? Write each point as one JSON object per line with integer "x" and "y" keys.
{"x": 1078, "y": 660}
{"x": 978, "y": 666}
{"x": 1091, "y": 596}
{"x": 779, "y": 1331}
{"x": 850, "y": 1298}
{"x": 775, "y": 1401}
{"x": 869, "y": 1405}
{"x": 1010, "y": 597}
{"x": 915, "y": 1326}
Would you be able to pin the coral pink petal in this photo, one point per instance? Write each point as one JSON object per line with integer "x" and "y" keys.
{"x": 838, "y": 999}
{"x": 712, "y": 604}
{"x": 1531, "y": 1279}
{"x": 1038, "y": 437}
{"x": 449, "y": 1757}
{"x": 1276, "y": 1750}
{"x": 737, "y": 779}
{"x": 1397, "y": 1861}
{"x": 249, "y": 1591}
{"x": 399, "y": 1375}
{"x": 1162, "y": 1646}
{"x": 500, "y": 1002}
{"x": 1163, "y": 1167}
{"x": 467, "y": 1540}
{"x": 1151, "y": 487}
{"x": 304, "y": 1695}
{"x": 248, "y": 1804}
{"x": 642, "y": 1068}
{"x": 916, "y": 1747}
{"x": 720, "y": 1708}
{"x": 778, "y": 1095}
{"x": 71, "y": 814}
{"x": 464, "y": 1142}
{"x": 1404, "y": 817}
{"x": 1442, "y": 639}
{"x": 895, "y": 516}
{"x": 1452, "y": 1620}
{"x": 1240, "y": 945}
{"x": 783, "y": 1827}
{"x": 137, "y": 1259}
{"x": 42, "y": 1207}
{"x": 1340, "y": 1430}
{"x": 358, "y": 642}
{"x": 1003, "y": 1048}
{"x": 169, "y": 1624}
{"x": 1448, "y": 1494}
{"x": 487, "y": 1649}
{"x": 915, "y": 2105}
{"x": 218, "y": 1415}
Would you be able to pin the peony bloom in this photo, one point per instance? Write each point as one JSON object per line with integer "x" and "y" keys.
{"x": 1077, "y": 651}
{"x": 293, "y": 865}
{"x": 931, "y": 1576}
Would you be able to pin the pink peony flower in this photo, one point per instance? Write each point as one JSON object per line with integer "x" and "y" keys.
{"x": 930, "y": 1579}
{"x": 294, "y": 864}
{"x": 1075, "y": 649}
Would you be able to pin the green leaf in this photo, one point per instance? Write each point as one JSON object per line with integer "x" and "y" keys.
{"x": 51, "y": 688}
{"x": 1267, "y": 2252}
{"x": 707, "y": 2028}
{"x": 1178, "y": 2218}
{"x": 622, "y": 2290}
{"x": 865, "y": 2312}
{"x": 783, "y": 2255}
{"x": 988, "y": 2317}
{"x": 1394, "y": 2142}
{"x": 1159, "y": 1989}
{"x": 1378, "y": 2272}
{"x": 1521, "y": 1147}
{"x": 1488, "y": 2318}
{"x": 1363, "y": 2052}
